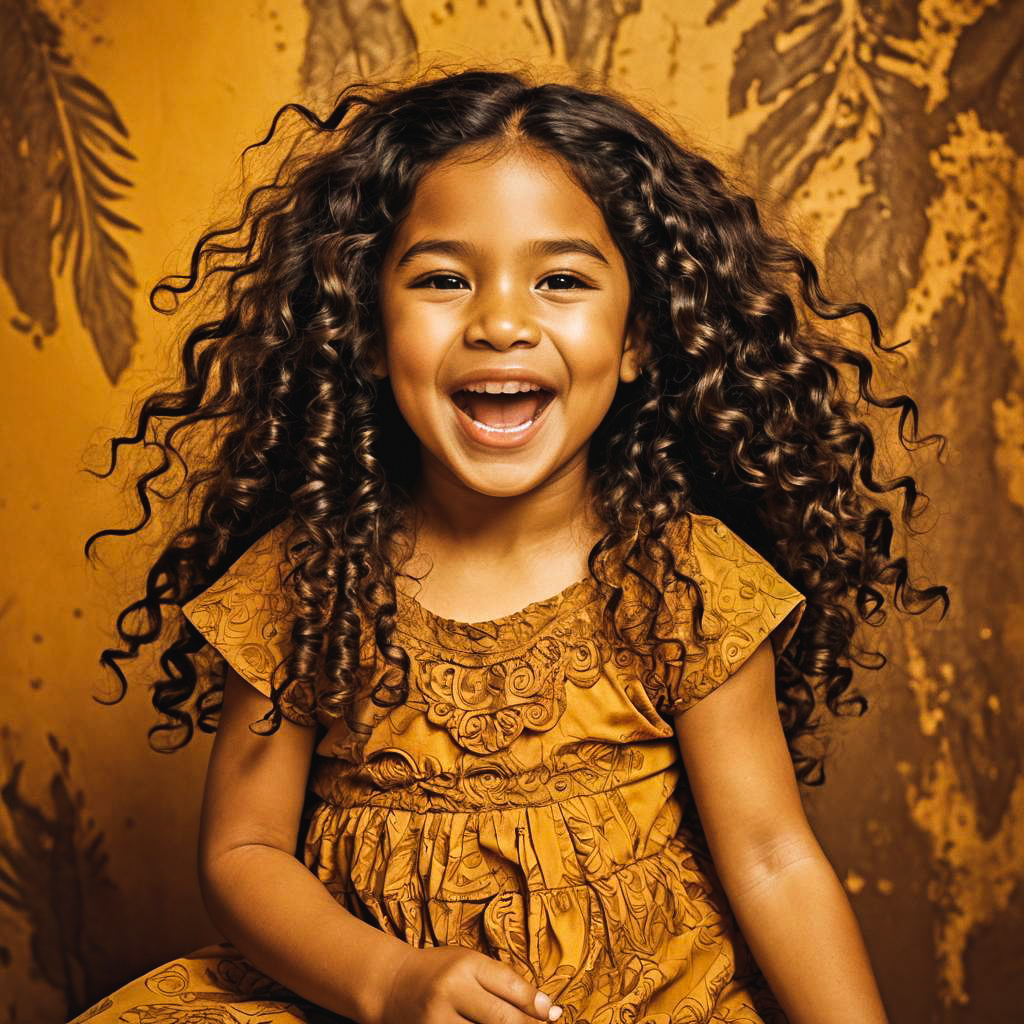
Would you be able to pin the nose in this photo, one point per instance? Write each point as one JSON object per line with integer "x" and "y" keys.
{"x": 498, "y": 319}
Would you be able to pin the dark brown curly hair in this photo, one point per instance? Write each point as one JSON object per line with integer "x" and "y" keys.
{"x": 741, "y": 411}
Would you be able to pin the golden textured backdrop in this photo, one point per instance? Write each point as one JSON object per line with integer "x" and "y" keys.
{"x": 891, "y": 135}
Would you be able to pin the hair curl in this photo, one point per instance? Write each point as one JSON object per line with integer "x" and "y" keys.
{"x": 740, "y": 411}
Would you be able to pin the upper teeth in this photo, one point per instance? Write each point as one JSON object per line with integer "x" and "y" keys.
{"x": 508, "y": 387}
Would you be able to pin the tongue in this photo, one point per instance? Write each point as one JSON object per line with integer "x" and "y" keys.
{"x": 503, "y": 410}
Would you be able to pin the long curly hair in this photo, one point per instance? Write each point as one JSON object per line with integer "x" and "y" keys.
{"x": 741, "y": 411}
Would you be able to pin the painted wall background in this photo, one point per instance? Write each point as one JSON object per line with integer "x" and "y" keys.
{"x": 890, "y": 135}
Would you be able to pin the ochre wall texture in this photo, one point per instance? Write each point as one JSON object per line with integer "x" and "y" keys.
{"x": 891, "y": 135}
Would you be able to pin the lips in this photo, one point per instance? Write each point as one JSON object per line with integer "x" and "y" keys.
{"x": 501, "y": 408}
{"x": 502, "y": 405}
{"x": 504, "y": 410}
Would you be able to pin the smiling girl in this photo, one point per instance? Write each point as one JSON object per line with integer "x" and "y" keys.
{"x": 535, "y": 536}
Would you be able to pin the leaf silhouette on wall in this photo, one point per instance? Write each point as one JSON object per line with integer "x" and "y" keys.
{"x": 582, "y": 33}
{"x": 348, "y": 40}
{"x": 59, "y": 138}
{"x": 52, "y": 876}
{"x": 829, "y": 70}
{"x": 987, "y": 71}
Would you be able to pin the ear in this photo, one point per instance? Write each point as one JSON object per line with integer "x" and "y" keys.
{"x": 634, "y": 351}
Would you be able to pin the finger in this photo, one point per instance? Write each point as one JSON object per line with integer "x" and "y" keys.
{"x": 483, "y": 1007}
{"x": 502, "y": 981}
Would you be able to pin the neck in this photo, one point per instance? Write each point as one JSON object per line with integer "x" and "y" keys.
{"x": 508, "y": 528}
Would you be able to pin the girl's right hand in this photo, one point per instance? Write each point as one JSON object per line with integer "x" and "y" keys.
{"x": 447, "y": 984}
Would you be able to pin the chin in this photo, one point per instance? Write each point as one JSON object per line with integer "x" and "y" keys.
{"x": 501, "y": 485}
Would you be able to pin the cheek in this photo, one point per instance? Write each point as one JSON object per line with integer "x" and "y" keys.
{"x": 417, "y": 329}
{"x": 413, "y": 366}
{"x": 404, "y": 342}
{"x": 597, "y": 340}
{"x": 412, "y": 373}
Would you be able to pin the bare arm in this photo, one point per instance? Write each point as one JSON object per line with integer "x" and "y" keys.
{"x": 260, "y": 896}
{"x": 790, "y": 906}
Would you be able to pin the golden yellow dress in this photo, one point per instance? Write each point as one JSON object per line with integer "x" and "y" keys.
{"x": 526, "y": 800}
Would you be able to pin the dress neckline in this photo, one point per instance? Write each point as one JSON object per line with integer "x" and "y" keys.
{"x": 569, "y": 598}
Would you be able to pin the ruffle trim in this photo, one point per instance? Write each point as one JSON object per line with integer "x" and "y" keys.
{"x": 246, "y": 615}
{"x": 455, "y": 856}
{"x": 745, "y": 602}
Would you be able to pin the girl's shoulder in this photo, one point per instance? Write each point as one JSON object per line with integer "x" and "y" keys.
{"x": 721, "y": 557}
{"x": 252, "y": 587}
{"x": 246, "y": 615}
{"x": 744, "y": 600}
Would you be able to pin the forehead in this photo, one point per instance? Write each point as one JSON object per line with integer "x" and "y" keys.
{"x": 518, "y": 189}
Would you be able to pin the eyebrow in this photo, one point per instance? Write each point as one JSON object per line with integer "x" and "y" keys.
{"x": 539, "y": 247}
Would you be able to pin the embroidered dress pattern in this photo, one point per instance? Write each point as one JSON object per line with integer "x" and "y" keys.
{"x": 527, "y": 800}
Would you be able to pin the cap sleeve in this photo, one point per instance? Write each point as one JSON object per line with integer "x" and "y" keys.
{"x": 745, "y": 601}
{"x": 246, "y": 616}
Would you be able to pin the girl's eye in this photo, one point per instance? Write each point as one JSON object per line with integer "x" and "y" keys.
{"x": 441, "y": 282}
{"x": 564, "y": 282}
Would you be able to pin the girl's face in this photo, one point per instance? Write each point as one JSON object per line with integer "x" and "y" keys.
{"x": 504, "y": 304}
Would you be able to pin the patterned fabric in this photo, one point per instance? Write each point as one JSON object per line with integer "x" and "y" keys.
{"x": 528, "y": 799}
{"x": 215, "y": 985}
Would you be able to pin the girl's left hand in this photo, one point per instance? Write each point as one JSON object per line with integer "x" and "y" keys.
{"x": 448, "y": 984}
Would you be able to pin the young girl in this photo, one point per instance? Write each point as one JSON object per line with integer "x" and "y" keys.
{"x": 536, "y": 528}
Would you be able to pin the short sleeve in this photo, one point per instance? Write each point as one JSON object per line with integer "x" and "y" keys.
{"x": 745, "y": 601}
{"x": 246, "y": 616}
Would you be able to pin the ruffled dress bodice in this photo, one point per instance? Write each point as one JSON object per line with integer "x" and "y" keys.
{"x": 527, "y": 799}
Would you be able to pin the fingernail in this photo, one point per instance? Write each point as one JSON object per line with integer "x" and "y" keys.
{"x": 555, "y": 1013}
{"x": 542, "y": 1002}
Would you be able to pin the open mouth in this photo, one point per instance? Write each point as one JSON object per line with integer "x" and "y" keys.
{"x": 503, "y": 412}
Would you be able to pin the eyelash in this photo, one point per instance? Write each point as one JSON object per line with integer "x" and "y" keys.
{"x": 579, "y": 283}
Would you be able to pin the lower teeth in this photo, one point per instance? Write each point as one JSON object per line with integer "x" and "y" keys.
{"x": 503, "y": 430}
